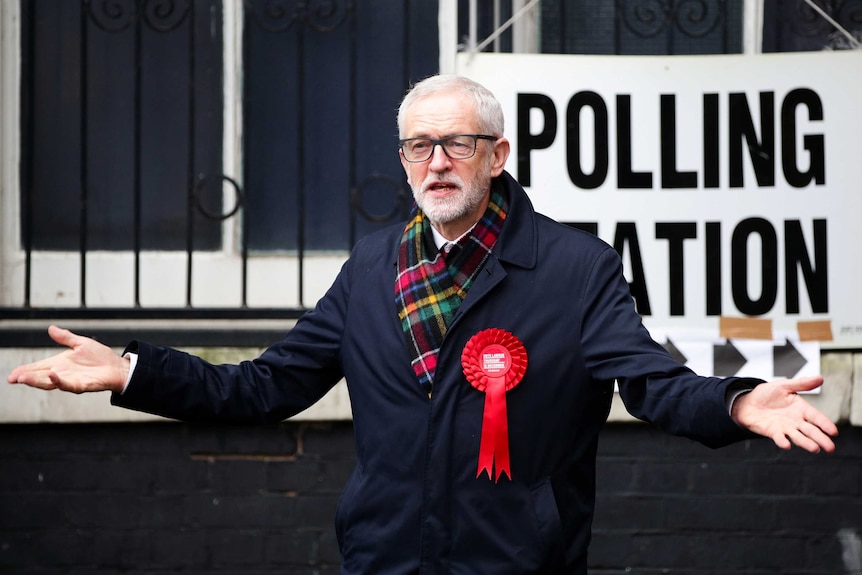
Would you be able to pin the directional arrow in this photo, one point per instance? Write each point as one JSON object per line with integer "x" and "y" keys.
{"x": 786, "y": 360}
{"x": 675, "y": 352}
{"x": 727, "y": 360}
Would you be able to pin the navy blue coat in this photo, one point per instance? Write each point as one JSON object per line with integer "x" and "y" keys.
{"x": 413, "y": 503}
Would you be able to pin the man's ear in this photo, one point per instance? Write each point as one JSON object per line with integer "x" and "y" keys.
{"x": 499, "y": 157}
{"x": 404, "y": 164}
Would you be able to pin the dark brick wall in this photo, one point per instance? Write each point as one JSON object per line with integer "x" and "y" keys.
{"x": 174, "y": 498}
{"x": 671, "y": 506}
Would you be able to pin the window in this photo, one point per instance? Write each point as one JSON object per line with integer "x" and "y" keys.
{"x": 122, "y": 134}
{"x": 796, "y": 26}
{"x": 121, "y": 118}
{"x": 200, "y": 153}
{"x": 322, "y": 83}
{"x": 638, "y": 27}
{"x": 660, "y": 27}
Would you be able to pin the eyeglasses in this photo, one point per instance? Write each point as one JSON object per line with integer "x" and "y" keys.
{"x": 457, "y": 147}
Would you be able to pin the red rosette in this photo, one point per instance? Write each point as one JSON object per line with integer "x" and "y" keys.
{"x": 494, "y": 361}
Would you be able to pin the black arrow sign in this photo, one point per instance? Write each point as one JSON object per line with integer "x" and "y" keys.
{"x": 787, "y": 361}
{"x": 726, "y": 360}
{"x": 675, "y": 352}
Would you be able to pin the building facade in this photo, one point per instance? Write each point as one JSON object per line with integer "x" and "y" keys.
{"x": 194, "y": 174}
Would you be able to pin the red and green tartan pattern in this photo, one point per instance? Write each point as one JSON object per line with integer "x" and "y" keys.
{"x": 429, "y": 288}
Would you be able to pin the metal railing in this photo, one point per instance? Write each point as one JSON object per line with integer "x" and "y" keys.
{"x": 185, "y": 323}
{"x": 659, "y": 25}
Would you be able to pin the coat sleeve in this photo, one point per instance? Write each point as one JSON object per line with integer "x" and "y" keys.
{"x": 653, "y": 386}
{"x": 285, "y": 379}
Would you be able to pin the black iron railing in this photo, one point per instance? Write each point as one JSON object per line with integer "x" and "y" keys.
{"x": 121, "y": 131}
{"x": 175, "y": 47}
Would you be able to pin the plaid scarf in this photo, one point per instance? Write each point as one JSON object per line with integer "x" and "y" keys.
{"x": 429, "y": 287}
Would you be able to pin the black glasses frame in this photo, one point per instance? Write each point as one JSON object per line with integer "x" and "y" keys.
{"x": 440, "y": 142}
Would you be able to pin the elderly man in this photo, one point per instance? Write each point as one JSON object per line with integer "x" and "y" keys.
{"x": 480, "y": 345}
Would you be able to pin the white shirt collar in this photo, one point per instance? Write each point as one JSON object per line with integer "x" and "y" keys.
{"x": 440, "y": 241}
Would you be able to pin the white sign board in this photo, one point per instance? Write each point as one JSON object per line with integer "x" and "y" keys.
{"x": 731, "y": 185}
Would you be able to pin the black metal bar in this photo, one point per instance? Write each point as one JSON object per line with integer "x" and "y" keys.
{"x": 136, "y": 214}
{"x": 564, "y": 29}
{"x": 725, "y": 28}
{"x": 780, "y": 22}
{"x": 244, "y": 250}
{"x": 28, "y": 153}
{"x": 190, "y": 213}
{"x": 405, "y": 52}
{"x": 300, "y": 196}
{"x": 351, "y": 120}
{"x": 82, "y": 233}
{"x": 244, "y": 216}
{"x": 672, "y": 22}
{"x": 353, "y": 191}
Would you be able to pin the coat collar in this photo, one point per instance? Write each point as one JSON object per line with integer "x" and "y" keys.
{"x": 517, "y": 242}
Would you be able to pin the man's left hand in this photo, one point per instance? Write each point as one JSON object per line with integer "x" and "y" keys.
{"x": 775, "y": 410}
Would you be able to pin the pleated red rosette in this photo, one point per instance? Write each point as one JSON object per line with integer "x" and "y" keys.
{"x": 494, "y": 362}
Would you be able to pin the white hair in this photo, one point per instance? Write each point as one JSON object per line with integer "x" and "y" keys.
{"x": 488, "y": 109}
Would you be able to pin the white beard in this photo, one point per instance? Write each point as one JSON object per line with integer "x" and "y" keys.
{"x": 454, "y": 206}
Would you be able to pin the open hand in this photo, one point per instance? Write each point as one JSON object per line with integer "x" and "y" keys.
{"x": 86, "y": 366}
{"x": 775, "y": 410}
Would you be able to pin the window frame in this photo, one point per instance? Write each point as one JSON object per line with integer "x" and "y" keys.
{"x": 272, "y": 278}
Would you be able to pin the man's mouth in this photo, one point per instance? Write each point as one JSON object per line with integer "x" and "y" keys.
{"x": 441, "y": 188}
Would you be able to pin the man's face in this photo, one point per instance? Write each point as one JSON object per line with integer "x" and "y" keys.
{"x": 453, "y": 194}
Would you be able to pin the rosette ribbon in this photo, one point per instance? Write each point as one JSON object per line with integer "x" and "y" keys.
{"x": 494, "y": 361}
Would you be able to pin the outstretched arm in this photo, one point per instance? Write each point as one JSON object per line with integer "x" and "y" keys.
{"x": 777, "y": 411}
{"x": 86, "y": 366}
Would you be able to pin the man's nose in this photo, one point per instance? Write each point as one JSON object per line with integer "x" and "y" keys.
{"x": 439, "y": 160}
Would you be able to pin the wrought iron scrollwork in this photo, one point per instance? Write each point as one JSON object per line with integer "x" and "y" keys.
{"x": 197, "y": 193}
{"x": 400, "y": 196}
{"x": 274, "y": 15}
{"x": 326, "y": 15}
{"x": 648, "y": 18}
{"x": 696, "y": 18}
{"x": 165, "y": 15}
{"x": 117, "y": 15}
{"x": 112, "y": 15}
{"x": 317, "y": 15}
{"x": 645, "y": 18}
{"x": 805, "y": 22}
{"x": 849, "y": 15}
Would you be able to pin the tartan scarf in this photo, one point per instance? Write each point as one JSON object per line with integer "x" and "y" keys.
{"x": 429, "y": 286}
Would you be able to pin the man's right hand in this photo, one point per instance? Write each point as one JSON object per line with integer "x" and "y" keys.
{"x": 86, "y": 366}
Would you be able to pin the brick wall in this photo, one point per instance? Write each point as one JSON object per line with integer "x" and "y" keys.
{"x": 668, "y": 505}
{"x": 172, "y": 498}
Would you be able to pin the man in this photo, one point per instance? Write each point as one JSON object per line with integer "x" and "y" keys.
{"x": 480, "y": 344}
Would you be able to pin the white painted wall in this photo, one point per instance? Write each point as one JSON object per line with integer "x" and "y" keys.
{"x": 840, "y": 398}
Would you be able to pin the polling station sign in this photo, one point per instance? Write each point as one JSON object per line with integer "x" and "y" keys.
{"x": 731, "y": 185}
